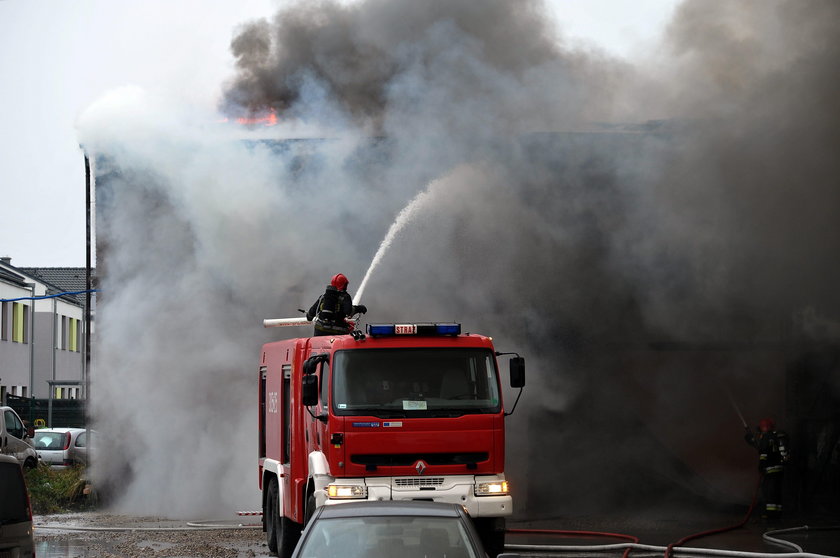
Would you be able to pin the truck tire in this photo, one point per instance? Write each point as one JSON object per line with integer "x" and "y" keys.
{"x": 271, "y": 516}
{"x": 30, "y": 464}
{"x": 287, "y": 537}
{"x": 492, "y": 533}
{"x": 310, "y": 508}
{"x": 282, "y": 533}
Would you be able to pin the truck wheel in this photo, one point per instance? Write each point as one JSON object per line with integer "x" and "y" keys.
{"x": 310, "y": 509}
{"x": 282, "y": 533}
{"x": 30, "y": 464}
{"x": 492, "y": 533}
{"x": 287, "y": 537}
{"x": 270, "y": 515}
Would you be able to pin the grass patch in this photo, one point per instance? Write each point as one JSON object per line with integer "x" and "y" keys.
{"x": 57, "y": 490}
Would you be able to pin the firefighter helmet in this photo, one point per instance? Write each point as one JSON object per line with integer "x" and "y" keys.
{"x": 766, "y": 425}
{"x": 339, "y": 281}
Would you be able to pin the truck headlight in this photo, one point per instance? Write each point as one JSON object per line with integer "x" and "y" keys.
{"x": 494, "y": 488}
{"x": 346, "y": 491}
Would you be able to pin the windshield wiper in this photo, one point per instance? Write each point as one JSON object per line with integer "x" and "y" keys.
{"x": 389, "y": 414}
{"x": 450, "y": 413}
{"x": 378, "y": 412}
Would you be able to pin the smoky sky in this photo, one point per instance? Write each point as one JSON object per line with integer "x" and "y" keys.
{"x": 391, "y": 65}
{"x": 579, "y": 209}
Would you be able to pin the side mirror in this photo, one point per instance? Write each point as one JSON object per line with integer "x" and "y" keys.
{"x": 309, "y": 390}
{"x": 310, "y": 365}
{"x": 517, "y": 372}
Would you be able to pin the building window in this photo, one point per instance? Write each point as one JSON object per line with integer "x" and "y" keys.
{"x": 73, "y": 335}
{"x": 65, "y": 392}
{"x": 20, "y": 322}
{"x": 4, "y": 321}
{"x": 62, "y": 333}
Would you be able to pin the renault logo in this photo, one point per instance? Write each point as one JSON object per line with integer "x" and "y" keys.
{"x": 420, "y": 467}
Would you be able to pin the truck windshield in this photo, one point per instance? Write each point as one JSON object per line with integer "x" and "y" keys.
{"x": 415, "y": 382}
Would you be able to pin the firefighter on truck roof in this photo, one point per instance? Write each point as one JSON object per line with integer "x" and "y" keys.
{"x": 330, "y": 312}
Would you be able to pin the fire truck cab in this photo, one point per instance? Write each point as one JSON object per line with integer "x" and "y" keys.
{"x": 406, "y": 412}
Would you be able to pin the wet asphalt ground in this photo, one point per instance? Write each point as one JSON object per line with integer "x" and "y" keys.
{"x": 101, "y": 535}
{"x": 822, "y": 537}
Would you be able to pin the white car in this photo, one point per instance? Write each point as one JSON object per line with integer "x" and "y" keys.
{"x": 16, "y": 535}
{"x": 62, "y": 447}
{"x": 389, "y": 529}
{"x": 14, "y": 439}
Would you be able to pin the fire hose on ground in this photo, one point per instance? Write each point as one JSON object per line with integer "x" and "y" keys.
{"x": 199, "y": 525}
{"x": 657, "y": 549}
{"x": 676, "y": 547}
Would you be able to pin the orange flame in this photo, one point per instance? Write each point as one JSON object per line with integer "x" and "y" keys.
{"x": 268, "y": 120}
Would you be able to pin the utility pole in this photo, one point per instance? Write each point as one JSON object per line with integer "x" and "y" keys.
{"x": 87, "y": 281}
{"x": 31, "y": 341}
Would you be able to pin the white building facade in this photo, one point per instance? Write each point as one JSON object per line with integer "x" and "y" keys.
{"x": 42, "y": 338}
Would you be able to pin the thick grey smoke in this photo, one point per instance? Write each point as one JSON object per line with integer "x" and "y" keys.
{"x": 583, "y": 245}
{"x": 428, "y": 64}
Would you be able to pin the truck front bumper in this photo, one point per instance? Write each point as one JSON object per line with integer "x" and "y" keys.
{"x": 455, "y": 489}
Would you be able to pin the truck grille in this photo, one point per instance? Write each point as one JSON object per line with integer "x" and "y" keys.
{"x": 417, "y": 482}
{"x": 409, "y": 459}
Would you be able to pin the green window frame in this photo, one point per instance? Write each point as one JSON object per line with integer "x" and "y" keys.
{"x": 74, "y": 331}
{"x": 19, "y": 322}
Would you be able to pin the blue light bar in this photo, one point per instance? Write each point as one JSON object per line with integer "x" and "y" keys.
{"x": 375, "y": 330}
{"x": 448, "y": 329}
{"x": 380, "y": 329}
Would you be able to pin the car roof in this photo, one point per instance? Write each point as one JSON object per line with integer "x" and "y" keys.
{"x": 48, "y": 430}
{"x": 390, "y": 508}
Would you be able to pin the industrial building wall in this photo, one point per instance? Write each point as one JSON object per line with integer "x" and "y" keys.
{"x": 661, "y": 430}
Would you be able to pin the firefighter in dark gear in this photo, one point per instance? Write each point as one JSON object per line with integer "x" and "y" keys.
{"x": 330, "y": 312}
{"x": 773, "y": 453}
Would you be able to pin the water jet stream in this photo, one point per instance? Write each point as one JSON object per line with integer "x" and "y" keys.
{"x": 403, "y": 218}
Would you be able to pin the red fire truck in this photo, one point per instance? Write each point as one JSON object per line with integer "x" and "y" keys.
{"x": 405, "y": 412}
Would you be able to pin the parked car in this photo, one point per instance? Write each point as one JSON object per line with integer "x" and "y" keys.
{"x": 63, "y": 447}
{"x": 390, "y": 529}
{"x": 15, "y": 440}
{"x": 16, "y": 536}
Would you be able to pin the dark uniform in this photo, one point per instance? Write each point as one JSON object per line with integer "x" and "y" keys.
{"x": 773, "y": 448}
{"x": 330, "y": 312}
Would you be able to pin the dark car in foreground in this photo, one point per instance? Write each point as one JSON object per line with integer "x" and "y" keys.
{"x": 390, "y": 529}
{"x": 16, "y": 537}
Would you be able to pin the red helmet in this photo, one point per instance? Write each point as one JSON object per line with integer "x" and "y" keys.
{"x": 339, "y": 281}
{"x": 766, "y": 425}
